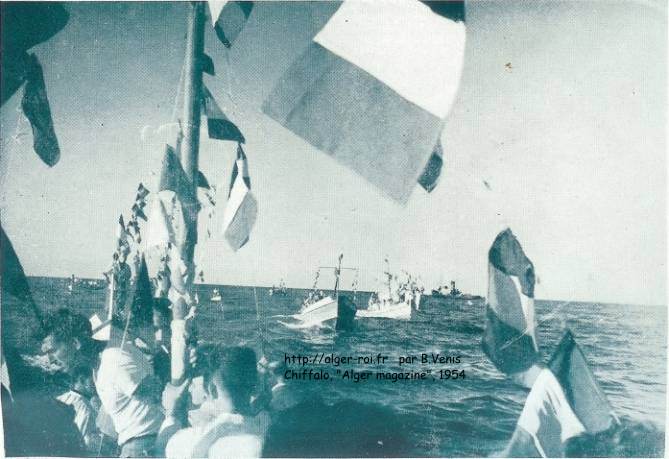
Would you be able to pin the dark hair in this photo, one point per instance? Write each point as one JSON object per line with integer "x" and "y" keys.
{"x": 65, "y": 325}
{"x": 238, "y": 370}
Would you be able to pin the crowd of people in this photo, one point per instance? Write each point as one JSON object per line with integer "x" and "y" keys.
{"x": 398, "y": 291}
{"x": 124, "y": 404}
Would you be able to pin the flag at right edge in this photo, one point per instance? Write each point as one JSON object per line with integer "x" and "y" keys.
{"x": 587, "y": 399}
{"x": 565, "y": 402}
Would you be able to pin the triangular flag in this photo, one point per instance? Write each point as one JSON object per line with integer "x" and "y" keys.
{"x": 142, "y": 192}
{"x": 140, "y": 302}
{"x": 509, "y": 339}
{"x": 202, "y": 181}
{"x": 138, "y": 212}
{"x": 120, "y": 228}
{"x": 430, "y": 176}
{"x": 173, "y": 178}
{"x": 35, "y": 105}
{"x": 376, "y": 109}
{"x": 228, "y": 19}
{"x": 218, "y": 125}
{"x": 241, "y": 209}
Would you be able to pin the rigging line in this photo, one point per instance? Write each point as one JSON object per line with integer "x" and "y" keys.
{"x": 528, "y": 329}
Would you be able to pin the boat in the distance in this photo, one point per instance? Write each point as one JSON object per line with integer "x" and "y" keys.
{"x": 453, "y": 293}
{"x": 77, "y": 283}
{"x": 216, "y": 296}
{"x": 318, "y": 308}
{"x": 397, "y": 301}
{"x": 280, "y": 290}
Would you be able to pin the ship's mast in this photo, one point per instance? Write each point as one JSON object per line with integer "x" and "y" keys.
{"x": 189, "y": 162}
{"x": 191, "y": 120}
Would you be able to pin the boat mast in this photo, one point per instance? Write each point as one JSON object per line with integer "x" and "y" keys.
{"x": 337, "y": 274}
{"x": 191, "y": 120}
{"x": 189, "y": 162}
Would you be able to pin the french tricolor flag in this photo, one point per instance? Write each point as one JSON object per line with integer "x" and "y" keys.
{"x": 563, "y": 410}
{"x": 509, "y": 339}
{"x": 374, "y": 87}
{"x": 241, "y": 209}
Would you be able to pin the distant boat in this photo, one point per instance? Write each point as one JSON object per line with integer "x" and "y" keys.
{"x": 76, "y": 283}
{"x": 216, "y": 296}
{"x": 280, "y": 290}
{"x": 453, "y": 293}
{"x": 319, "y": 308}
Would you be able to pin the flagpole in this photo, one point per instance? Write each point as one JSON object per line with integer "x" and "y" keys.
{"x": 191, "y": 115}
{"x": 189, "y": 163}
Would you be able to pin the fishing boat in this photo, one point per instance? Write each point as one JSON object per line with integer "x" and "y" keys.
{"x": 216, "y": 296}
{"x": 397, "y": 301}
{"x": 319, "y": 308}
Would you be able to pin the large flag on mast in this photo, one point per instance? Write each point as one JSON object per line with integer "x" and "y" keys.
{"x": 509, "y": 339}
{"x": 241, "y": 209}
{"x": 374, "y": 87}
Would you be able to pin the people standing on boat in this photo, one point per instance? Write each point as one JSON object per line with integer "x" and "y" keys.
{"x": 226, "y": 424}
{"x": 128, "y": 388}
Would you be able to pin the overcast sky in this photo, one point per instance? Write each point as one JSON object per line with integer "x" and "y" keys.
{"x": 561, "y": 111}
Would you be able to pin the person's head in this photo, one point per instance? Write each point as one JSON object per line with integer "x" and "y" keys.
{"x": 67, "y": 339}
{"x": 231, "y": 373}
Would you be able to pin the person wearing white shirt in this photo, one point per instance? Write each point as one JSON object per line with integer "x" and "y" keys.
{"x": 129, "y": 390}
{"x": 227, "y": 424}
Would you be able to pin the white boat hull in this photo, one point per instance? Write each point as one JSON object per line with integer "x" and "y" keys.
{"x": 319, "y": 312}
{"x": 400, "y": 311}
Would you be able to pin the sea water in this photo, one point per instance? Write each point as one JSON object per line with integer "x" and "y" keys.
{"x": 472, "y": 412}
